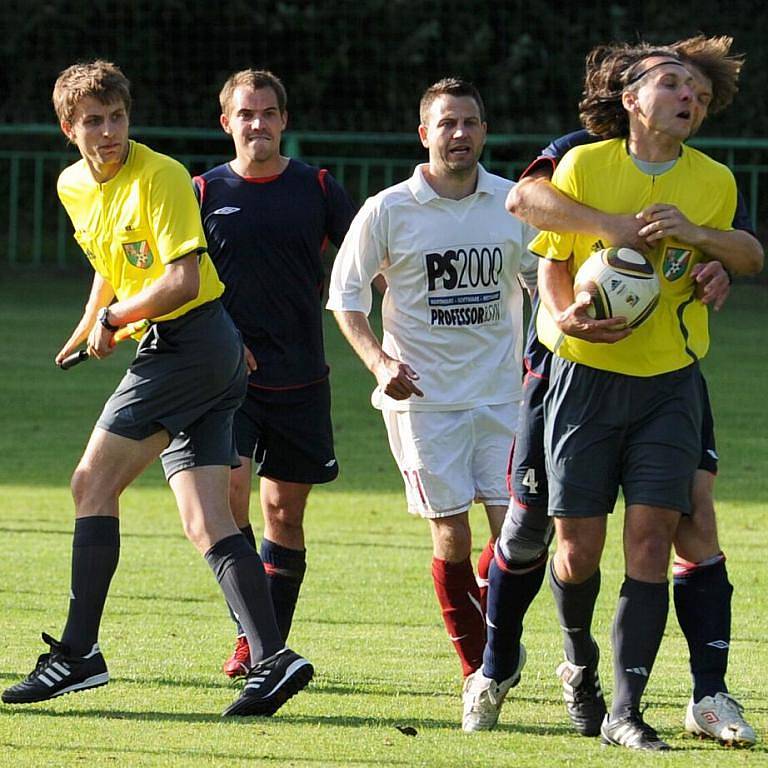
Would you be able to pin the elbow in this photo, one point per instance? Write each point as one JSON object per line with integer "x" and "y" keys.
{"x": 188, "y": 288}
{"x": 757, "y": 262}
{"x": 751, "y": 263}
{"x": 514, "y": 202}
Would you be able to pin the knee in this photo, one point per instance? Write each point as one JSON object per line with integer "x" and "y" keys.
{"x": 451, "y": 538}
{"x": 522, "y": 544}
{"x": 648, "y": 557}
{"x": 197, "y": 533}
{"x": 283, "y": 515}
{"x": 90, "y": 487}
{"x": 577, "y": 559}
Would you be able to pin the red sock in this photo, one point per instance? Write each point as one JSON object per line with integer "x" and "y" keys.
{"x": 483, "y": 564}
{"x": 459, "y": 597}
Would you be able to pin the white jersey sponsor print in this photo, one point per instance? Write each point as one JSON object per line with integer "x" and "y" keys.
{"x": 463, "y": 284}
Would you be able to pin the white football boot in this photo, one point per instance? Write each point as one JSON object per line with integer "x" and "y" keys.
{"x": 483, "y": 698}
{"x": 719, "y": 717}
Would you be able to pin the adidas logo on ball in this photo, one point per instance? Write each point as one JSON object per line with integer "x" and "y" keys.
{"x": 622, "y": 283}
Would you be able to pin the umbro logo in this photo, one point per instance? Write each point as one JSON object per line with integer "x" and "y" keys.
{"x": 225, "y": 211}
{"x": 721, "y": 645}
{"x": 642, "y": 671}
{"x": 330, "y": 463}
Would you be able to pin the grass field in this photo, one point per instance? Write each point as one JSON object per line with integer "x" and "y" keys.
{"x": 367, "y": 616}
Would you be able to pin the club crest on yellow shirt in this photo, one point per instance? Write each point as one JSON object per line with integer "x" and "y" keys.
{"x": 676, "y": 262}
{"x": 139, "y": 254}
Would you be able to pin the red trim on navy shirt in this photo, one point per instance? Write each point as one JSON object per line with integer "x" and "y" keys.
{"x": 321, "y": 174}
{"x": 260, "y": 179}
{"x": 200, "y": 183}
{"x": 538, "y": 163}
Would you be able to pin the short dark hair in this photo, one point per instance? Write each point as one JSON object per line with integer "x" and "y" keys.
{"x": 100, "y": 79}
{"x": 256, "y": 79}
{"x": 449, "y": 86}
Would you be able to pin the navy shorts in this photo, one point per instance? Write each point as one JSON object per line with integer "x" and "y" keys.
{"x": 188, "y": 378}
{"x": 288, "y": 433}
{"x": 604, "y": 430}
{"x": 527, "y": 471}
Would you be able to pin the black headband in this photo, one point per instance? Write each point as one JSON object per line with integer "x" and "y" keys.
{"x": 641, "y": 75}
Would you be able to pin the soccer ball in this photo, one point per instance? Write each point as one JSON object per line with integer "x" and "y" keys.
{"x": 622, "y": 283}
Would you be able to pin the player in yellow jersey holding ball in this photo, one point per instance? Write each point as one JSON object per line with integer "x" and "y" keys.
{"x": 624, "y": 408}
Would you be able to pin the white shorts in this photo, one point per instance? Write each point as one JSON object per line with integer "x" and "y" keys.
{"x": 449, "y": 459}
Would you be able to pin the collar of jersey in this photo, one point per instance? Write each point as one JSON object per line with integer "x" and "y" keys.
{"x": 258, "y": 179}
{"x": 423, "y": 193}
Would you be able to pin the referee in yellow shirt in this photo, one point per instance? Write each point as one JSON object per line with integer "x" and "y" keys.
{"x": 136, "y": 218}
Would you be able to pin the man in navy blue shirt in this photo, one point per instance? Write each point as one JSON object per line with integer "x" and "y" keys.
{"x": 267, "y": 219}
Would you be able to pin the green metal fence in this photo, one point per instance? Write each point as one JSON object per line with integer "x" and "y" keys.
{"x": 37, "y": 233}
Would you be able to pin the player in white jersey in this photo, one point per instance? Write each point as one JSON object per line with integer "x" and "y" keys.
{"x": 449, "y": 366}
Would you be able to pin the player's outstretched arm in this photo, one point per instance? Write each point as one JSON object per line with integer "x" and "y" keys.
{"x": 100, "y": 296}
{"x": 570, "y": 312}
{"x": 538, "y": 202}
{"x": 739, "y": 251}
{"x": 395, "y": 378}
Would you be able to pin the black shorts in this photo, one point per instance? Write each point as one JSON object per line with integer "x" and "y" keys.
{"x": 188, "y": 378}
{"x": 527, "y": 471}
{"x": 604, "y": 430}
{"x": 288, "y": 433}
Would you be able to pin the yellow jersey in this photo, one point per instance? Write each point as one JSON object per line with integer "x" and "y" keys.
{"x": 604, "y": 176}
{"x": 143, "y": 218}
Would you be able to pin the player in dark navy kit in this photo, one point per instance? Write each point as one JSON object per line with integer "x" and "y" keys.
{"x": 702, "y": 592}
{"x": 267, "y": 219}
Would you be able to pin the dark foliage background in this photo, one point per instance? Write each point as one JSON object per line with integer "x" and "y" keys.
{"x": 359, "y": 64}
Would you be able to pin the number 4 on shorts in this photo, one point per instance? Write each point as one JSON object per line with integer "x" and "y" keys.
{"x": 529, "y": 480}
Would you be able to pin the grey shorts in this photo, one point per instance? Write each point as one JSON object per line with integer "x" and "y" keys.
{"x": 188, "y": 378}
{"x": 605, "y": 430}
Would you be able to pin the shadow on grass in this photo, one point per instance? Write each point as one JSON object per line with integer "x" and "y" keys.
{"x": 68, "y": 532}
{"x": 118, "y": 596}
{"x": 243, "y": 752}
{"x": 390, "y": 726}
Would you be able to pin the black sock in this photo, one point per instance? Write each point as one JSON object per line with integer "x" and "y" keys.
{"x": 511, "y": 589}
{"x": 703, "y": 606}
{"x": 285, "y": 570}
{"x": 95, "y": 554}
{"x": 240, "y": 574}
{"x": 575, "y": 605}
{"x": 637, "y": 631}
{"x": 247, "y": 531}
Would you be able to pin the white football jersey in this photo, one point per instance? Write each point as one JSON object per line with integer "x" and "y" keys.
{"x": 453, "y": 309}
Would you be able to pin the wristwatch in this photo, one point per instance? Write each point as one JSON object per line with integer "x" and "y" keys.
{"x": 103, "y": 318}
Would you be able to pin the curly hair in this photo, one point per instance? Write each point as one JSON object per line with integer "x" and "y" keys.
{"x": 710, "y": 55}
{"x": 102, "y": 80}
